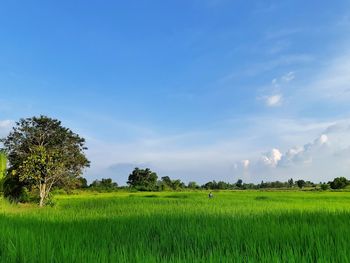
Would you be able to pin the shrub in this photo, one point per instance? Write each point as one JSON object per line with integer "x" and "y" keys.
{"x": 339, "y": 183}
{"x": 324, "y": 186}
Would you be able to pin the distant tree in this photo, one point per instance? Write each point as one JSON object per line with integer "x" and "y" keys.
{"x": 339, "y": 183}
{"x": 250, "y": 186}
{"x": 310, "y": 184}
{"x": 42, "y": 153}
{"x": 82, "y": 183}
{"x": 192, "y": 185}
{"x": 300, "y": 183}
{"x": 324, "y": 186}
{"x": 104, "y": 184}
{"x": 108, "y": 183}
{"x": 69, "y": 184}
{"x": 239, "y": 183}
{"x": 166, "y": 180}
{"x": 177, "y": 184}
{"x": 223, "y": 185}
{"x": 143, "y": 179}
{"x": 167, "y": 184}
{"x": 210, "y": 185}
{"x": 290, "y": 182}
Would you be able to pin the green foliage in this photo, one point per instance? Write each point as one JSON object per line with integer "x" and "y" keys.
{"x": 300, "y": 183}
{"x": 324, "y": 186}
{"x": 14, "y": 189}
{"x": 167, "y": 184}
{"x": 193, "y": 185}
{"x": 43, "y": 154}
{"x": 104, "y": 185}
{"x": 244, "y": 226}
{"x": 3, "y": 167}
{"x": 239, "y": 183}
{"x": 143, "y": 179}
{"x": 3, "y": 164}
{"x": 339, "y": 183}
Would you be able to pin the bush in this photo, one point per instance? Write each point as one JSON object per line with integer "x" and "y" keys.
{"x": 339, "y": 183}
{"x": 14, "y": 190}
{"x": 324, "y": 187}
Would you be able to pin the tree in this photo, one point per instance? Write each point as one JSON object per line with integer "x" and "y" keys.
{"x": 69, "y": 184}
{"x": 143, "y": 179}
{"x": 239, "y": 183}
{"x": 104, "y": 184}
{"x": 165, "y": 183}
{"x": 81, "y": 183}
{"x": 300, "y": 183}
{"x": 192, "y": 185}
{"x": 324, "y": 186}
{"x": 223, "y": 185}
{"x": 177, "y": 184}
{"x": 210, "y": 185}
{"x": 339, "y": 183}
{"x": 290, "y": 182}
{"x": 42, "y": 154}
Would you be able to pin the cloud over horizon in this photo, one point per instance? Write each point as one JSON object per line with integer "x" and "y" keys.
{"x": 326, "y": 157}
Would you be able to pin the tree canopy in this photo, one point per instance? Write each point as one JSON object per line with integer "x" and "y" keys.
{"x": 41, "y": 154}
{"x": 339, "y": 183}
{"x": 143, "y": 179}
{"x": 104, "y": 184}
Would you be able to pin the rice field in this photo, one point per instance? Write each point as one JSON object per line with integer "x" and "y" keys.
{"x": 234, "y": 226}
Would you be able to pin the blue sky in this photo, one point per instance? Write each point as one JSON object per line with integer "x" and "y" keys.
{"x": 196, "y": 89}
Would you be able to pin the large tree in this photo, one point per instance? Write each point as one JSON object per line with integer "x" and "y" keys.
{"x": 339, "y": 183}
{"x": 143, "y": 179}
{"x": 42, "y": 153}
{"x": 300, "y": 183}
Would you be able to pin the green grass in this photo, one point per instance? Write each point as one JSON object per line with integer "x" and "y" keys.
{"x": 242, "y": 226}
{"x": 3, "y": 161}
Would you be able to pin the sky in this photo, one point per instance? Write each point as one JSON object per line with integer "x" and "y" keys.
{"x": 198, "y": 90}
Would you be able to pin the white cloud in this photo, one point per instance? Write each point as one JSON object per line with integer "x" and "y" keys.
{"x": 322, "y": 140}
{"x": 304, "y": 154}
{"x": 245, "y": 164}
{"x": 5, "y": 127}
{"x": 288, "y": 77}
{"x": 271, "y": 158}
{"x": 205, "y": 155}
{"x": 274, "y": 100}
{"x": 277, "y": 84}
{"x": 322, "y": 159}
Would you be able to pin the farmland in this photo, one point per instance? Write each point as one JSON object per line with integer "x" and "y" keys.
{"x": 234, "y": 226}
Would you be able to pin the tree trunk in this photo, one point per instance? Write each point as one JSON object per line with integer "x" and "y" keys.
{"x": 42, "y": 194}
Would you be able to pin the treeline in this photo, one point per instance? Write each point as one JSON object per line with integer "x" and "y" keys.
{"x": 40, "y": 155}
{"x": 146, "y": 180}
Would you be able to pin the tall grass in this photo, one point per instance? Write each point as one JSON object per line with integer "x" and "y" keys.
{"x": 180, "y": 227}
{"x": 3, "y": 166}
{"x": 3, "y": 161}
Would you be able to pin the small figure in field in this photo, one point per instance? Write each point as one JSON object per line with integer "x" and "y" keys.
{"x": 211, "y": 195}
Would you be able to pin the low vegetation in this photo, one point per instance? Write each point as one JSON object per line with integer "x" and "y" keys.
{"x": 42, "y": 156}
{"x": 233, "y": 226}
